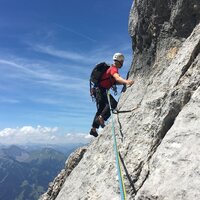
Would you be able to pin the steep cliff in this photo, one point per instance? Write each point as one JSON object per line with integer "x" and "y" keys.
{"x": 159, "y": 140}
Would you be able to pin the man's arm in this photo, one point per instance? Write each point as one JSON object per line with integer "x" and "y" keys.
{"x": 120, "y": 80}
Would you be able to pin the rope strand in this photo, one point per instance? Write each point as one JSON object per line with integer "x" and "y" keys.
{"x": 120, "y": 176}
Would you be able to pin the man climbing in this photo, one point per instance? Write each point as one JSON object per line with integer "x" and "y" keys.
{"x": 109, "y": 78}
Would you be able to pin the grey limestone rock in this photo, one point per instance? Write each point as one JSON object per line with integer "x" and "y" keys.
{"x": 56, "y": 185}
{"x": 159, "y": 138}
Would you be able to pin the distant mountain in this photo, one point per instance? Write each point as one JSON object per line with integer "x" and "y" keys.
{"x": 63, "y": 148}
{"x": 16, "y": 153}
{"x": 25, "y": 174}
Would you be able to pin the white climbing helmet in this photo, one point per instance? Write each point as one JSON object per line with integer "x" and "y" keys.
{"x": 119, "y": 57}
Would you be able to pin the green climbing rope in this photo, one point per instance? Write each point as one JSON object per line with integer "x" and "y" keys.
{"x": 119, "y": 170}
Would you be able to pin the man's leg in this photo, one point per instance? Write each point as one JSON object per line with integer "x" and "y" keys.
{"x": 96, "y": 123}
{"x": 106, "y": 111}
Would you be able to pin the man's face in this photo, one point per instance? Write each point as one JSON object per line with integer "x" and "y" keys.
{"x": 119, "y": 64}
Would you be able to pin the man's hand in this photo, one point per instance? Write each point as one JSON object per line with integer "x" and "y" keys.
{"x": 120, "y": 80}
{"x": 130, "y": 82}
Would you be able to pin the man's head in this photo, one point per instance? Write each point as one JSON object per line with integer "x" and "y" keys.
{"x": 118, "y": 59}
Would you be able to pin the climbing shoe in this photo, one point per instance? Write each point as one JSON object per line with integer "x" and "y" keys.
{"x": 100, "y": 121}
{"x": 93, "y": 132}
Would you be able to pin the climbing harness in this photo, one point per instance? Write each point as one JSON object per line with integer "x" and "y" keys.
{"x": 120, "y": 176}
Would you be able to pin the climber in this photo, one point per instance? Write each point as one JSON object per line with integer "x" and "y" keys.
{"x": 109, "y": 78}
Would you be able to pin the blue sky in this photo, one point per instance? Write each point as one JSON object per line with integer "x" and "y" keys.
{"x": 47, "y": 51}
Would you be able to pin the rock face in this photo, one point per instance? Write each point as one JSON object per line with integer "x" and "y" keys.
{"x": 56, "y": 185}
{"x": 159, "y": 139}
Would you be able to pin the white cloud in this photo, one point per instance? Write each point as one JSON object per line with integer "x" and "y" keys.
{"x": 7, "y": 132}
{"x": 29, "y": 130}
{"x": 89, "y": 57}
{"x": 8, "y": 100}
{"x": 42, "y": 74}
{"x": 77, "y": 138}
{"x": 36, "y": 70}
{"x": 60, "y": 53}
{"x": 39, "y": 134}
{"x": 76, "y": 33}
